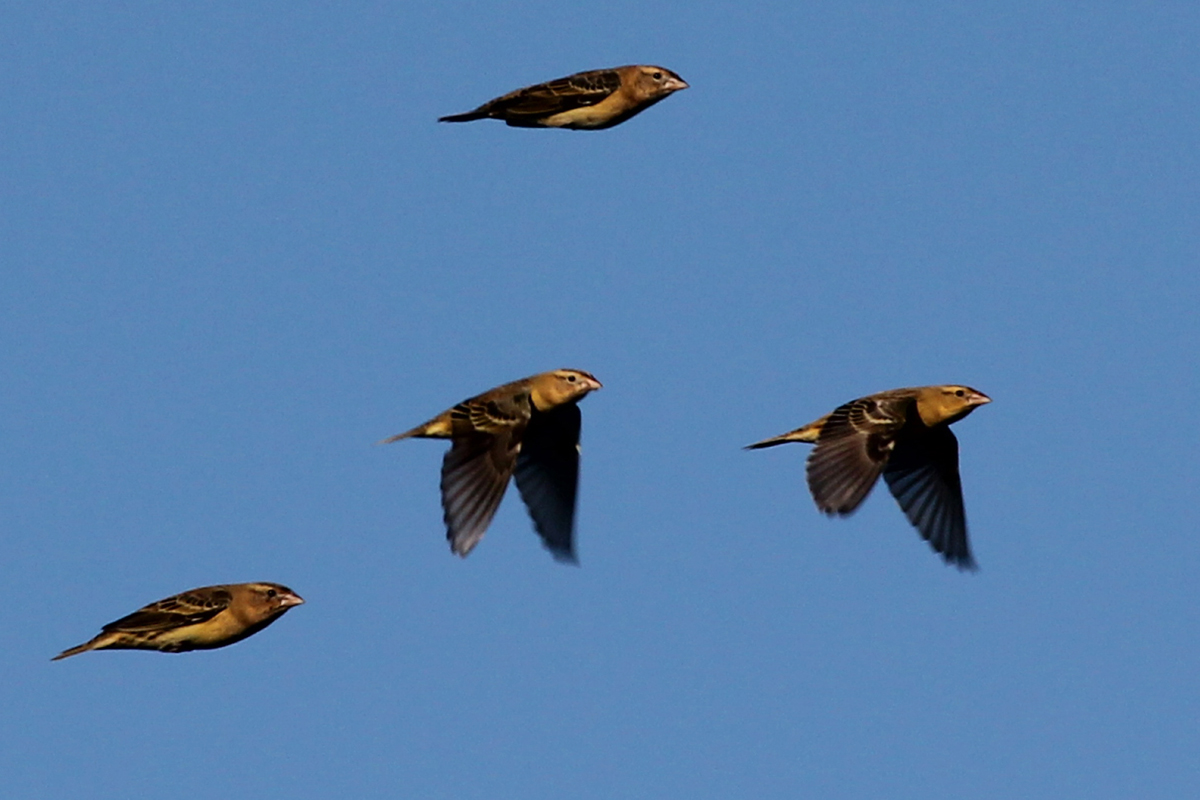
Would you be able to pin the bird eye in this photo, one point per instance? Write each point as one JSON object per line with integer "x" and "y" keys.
{"x": 959, "y": 393}
{"x": 658, "y": 76}
{"x": 571, "y": 378}
{"x": 271, "y": 592}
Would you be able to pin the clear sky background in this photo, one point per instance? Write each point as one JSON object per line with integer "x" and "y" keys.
{"x": 237, "y": 250}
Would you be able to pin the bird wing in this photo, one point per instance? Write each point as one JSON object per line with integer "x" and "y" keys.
{"x": 188, "y": 608}
{"x": 922, "y": 475}
{"x": 493, "y": 412}
{"x": 475, "y": 473}
{"x": 548, "y": 476}
{"x": 854, "y": 444}
{"x": 563, "y": 94}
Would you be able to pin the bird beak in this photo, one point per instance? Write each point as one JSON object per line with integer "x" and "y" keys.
{"x": 592, "y": 384}
{"x": 289, "y": 600}
{"x": 979, "y": 399}
{"x": 675, "y": 84}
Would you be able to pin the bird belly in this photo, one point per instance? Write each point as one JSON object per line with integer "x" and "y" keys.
{"x": 578, "y": 118}
{"x": 200, "y": 636}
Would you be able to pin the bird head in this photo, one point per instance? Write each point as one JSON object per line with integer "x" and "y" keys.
{"x": 270, "y": 599}
{"x": 658, "y": 82}
{"x": 948, "y": 404}
{"x": 551, "y": 389}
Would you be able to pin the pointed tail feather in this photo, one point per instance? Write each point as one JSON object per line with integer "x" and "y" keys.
{"x": 440, "y": 427}
{"x": 398, "y": 437}
{"x": 74, "y": 651}
{"x": 469, "y": 116}
{"x": 806, "y": 434}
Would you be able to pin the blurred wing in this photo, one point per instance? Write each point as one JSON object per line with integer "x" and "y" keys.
{"x": 548, "y": 476}
{"x": 475, "y": 473}
{"x": 922, "y": 475}
{"x": 188, "y": 608}
{"x": 854, "y": 444}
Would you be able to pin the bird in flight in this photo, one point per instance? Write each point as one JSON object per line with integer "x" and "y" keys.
{"x": 200, "y": 619}
{"x": 528, "y": 427}
{"x": 600, "y": 98}
{"x": 904, "y": 434}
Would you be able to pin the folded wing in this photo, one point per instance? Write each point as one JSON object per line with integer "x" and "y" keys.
{"x": 188, "y": 608}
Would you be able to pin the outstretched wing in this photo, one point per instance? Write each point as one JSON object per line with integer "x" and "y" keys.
{"x": 548, "y": 476}
{"x": 922, "y": 475}
{"x": 854, "y": 444}
{"x": 475, "y": 473}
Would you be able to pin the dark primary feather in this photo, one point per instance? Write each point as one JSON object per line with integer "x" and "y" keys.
{"x": 922, "y": 475}
{"x": 479, "y": 463}
{"x": 475, "y": 473}
{"x": 851, "y": 450}
{"x": 547, "y": 476}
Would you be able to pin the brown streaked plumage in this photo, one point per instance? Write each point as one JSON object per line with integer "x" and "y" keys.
{"x": 904, "y": 434}
{"x": 530, "y": 427}
{"x": 593, "y": 100}
{"x": 200, "y": 619}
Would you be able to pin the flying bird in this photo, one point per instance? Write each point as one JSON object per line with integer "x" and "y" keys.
{"x": 905, "y": 434}
{"x": 200, "y": 619}
{"x": 530, "y": 427}
{"x": 591, "y": 100}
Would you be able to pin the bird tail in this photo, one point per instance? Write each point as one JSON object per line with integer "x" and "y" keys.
{"x": 74, "y": 651}
{"x": 398, "y": 437}
{"x": 469, "y": 116}
{"x": 808, "y": 434}
{"x": 439, "y": 427}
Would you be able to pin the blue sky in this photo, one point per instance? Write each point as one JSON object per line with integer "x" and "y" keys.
{"x": 237, "y": 250}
